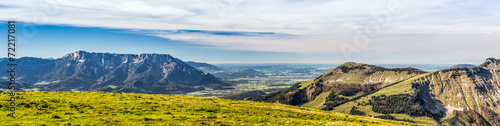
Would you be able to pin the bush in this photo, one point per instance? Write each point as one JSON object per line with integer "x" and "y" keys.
{"x": 354, "y": 111}
{"x": 397, "y": 104}
{"x": 390, "y": 117}
{"x": 334, "y": 99}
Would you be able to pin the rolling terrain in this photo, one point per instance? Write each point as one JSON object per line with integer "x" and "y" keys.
{"x": 100, "y": 108}
{"x": 349, "y": 79}
{"x": 457, "y": 96}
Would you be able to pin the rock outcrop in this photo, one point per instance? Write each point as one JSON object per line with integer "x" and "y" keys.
{"x": 471, "y": 94}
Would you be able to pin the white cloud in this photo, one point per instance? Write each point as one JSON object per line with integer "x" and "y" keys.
{"x": 320, "y": 26}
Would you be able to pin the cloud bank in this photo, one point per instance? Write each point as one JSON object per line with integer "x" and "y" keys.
{"x": 350, "y": 27}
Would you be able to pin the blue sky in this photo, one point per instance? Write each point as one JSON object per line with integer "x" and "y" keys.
{"x": 262, "y": 31}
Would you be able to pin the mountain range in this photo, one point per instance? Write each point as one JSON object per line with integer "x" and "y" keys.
{"x": 456, "y": 96}
{"x": 205, "y": 67}
{"x": 87, "y": 71}
{"x": 462, "y": 95}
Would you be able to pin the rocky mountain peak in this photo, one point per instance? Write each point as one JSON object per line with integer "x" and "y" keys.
{"x": 107, "y": 59}
{"x": 156, "y": 57}
{"x": 146, "y": 73}
{"x": 75, "y": 55}
{"x": 491, "y": 63}
{"x": 463, "y": 66}
{"x": 492, "y": 60}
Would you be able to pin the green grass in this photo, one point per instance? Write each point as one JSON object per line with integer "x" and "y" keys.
{"x": 403, "y": 87}
{"x": 358, "y": 76}
{"x": 99, "y": 108}
{"x": 305, "y": 84}
{"x": 399, "y": 88}
{"x": 318, "y": 102}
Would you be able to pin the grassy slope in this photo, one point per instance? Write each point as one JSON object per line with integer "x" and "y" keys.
{"x": 399, "y": 88}
{"x": 307, "y": 83}
{"x": 144, "y": 109}
{"x": 347, "y": 77}
{"x": 355, "y": 75}
{"x": 318, "y": 102}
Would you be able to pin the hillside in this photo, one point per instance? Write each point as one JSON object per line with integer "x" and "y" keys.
{"x": 458, "y": 96}
{"x": 340, "y": 84}
{"x": 87, "y": 71}
{"x": 100, "y": 108}
{"x": 243, "y": 95}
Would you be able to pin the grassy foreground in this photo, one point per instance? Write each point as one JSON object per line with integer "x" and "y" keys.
{"x": 99, "y": 108}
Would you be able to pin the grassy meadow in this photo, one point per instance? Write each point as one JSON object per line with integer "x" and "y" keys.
{"x": 100, "y": 108}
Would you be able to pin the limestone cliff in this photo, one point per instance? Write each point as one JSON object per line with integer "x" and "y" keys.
{"x": 469, "y": 95}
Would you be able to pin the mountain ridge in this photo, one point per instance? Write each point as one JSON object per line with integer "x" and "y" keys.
{"x": 341, "y": 77}
{"x": 145, "y": 73}
{"x": 457, "y": 96}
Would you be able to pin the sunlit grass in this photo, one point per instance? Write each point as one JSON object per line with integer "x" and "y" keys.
{"x": 99, "y": 108}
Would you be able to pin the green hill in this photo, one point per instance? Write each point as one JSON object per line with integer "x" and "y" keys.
{"x": 99, "y": 108}
{"x": 457, "y": 96}
{"x": 400, "y": 88}
{"x": 337, "y": 86}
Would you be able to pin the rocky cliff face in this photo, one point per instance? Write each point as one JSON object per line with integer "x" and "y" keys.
{"x": 470, "y": 95}
{"x": 146, "y": 73}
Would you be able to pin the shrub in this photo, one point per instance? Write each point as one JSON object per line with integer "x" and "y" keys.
{"x": 354, "y": 111}
{"x": 397, "y": 104}
{"x": 390, "y": 117}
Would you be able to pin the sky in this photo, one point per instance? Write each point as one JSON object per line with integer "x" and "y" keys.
{"x": 261, "y": 31}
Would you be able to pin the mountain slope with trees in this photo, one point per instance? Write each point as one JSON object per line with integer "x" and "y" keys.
{"x": 457, "y": 96}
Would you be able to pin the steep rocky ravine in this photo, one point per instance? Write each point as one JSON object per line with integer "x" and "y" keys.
{"x": 468, "y": 94}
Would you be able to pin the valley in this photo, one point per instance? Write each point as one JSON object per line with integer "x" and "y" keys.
{"x": 250, "y": 63}
{"x": 275, "y": 77}
{"x": 460, "y": 94}
{"x": 266, "y": 77}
